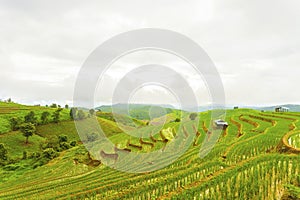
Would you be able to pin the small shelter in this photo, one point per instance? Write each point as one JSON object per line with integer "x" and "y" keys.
{"x": 281, "y": 109}
{"x": 221, "y": 123}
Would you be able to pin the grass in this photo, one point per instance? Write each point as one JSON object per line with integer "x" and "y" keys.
{"x": 15, "y": 143}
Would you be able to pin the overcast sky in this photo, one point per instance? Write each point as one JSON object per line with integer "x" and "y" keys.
{"x": 255, "y": 46}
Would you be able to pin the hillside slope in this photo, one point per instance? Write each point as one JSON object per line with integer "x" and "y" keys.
{"x": 249, "y": 161}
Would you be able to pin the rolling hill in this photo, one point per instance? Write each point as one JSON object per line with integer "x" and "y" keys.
{"x": 254, "y": 158}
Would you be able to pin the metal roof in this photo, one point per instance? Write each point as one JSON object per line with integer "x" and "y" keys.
{"x": 220, "y": 122}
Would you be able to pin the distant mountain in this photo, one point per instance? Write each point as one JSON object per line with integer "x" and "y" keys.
{"x": 292, "y": 107}
{"x": 138, "y": 111}
{"x": 169, "y": 108}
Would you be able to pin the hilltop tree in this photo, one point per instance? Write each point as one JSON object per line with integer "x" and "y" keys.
{"x": 28, "y": 129}
{"x": 66, "y": 106}
{"x": 15, "y": 123}
{"x": 73, "y": 113}
{"x": 92, "y": 112}
{"x": 193, "y": 116}
{"x": 30, "y": 118}
{"x": 56, "y": 115}
{"x": 44, "y": 117}
{"x": 54, "y": 105}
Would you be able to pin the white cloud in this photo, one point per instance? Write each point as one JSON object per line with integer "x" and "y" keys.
{"x": 255, "y": 45}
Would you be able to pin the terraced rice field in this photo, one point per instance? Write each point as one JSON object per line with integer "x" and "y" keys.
{"x": 249, "y": 161}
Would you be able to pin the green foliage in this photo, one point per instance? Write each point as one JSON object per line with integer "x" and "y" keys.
{"x": 62, "y": 138}
{"x": 44, "y": 117}
{"x": 73, "y": 143}
{"x": 49, "y": 153}
{"x": 73, "y": 113}
{"x": 28, "y": 129}
{"x": 236, "y": 168}
{"x": 177, "y": 120}
{"x": 30, "y": 118}
{"x": 193, "y": 116}
{"x": 56, "y": 115}
{"x": 293, "y": 192}
{"x": 64, "y": 146}
{"x": 53, "y": 105}
{"x": 24, "y": 155}
{"x": 15, "y": 123}
{"x": 10, "y": 110}
{"x": 92, "y": 112}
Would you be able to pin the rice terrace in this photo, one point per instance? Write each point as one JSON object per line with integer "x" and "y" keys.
{"x": 255, "y": 157}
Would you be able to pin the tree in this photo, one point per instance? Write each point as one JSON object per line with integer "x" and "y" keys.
{"x": 92, "y": 112}
{"x": 73, "y": 113}
{"x": 28, "y": 129}
{"x": 15, "y": 123}
{"x": 193, "y": 116}
{"x": 54, "y": 105}
{"x": 9, "y": 100}
{"x": 62, "y": 138}
{"x": 30, "y": 118}
{"x": 66, "y": 106}
{"x": 56, "y": 115}
{"x": 177, "y": 120}
{"x": 81, "y": 115}
{"x": 49, "y": 153}
{"x": 44, "y": 117}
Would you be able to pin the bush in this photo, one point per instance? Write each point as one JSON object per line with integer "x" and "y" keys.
{"x": 193, "y": 116}
{"x": 30, "y": 118}
{"x": 24, "y": 155}
{"x": 177, "y": 120}
{"x": 15, "y": 123}
{"x": 62, "y": 138}
{"x": 64, "y": 145}
{"x": 73, "y": 143}
{"x": 49, "y": 153}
